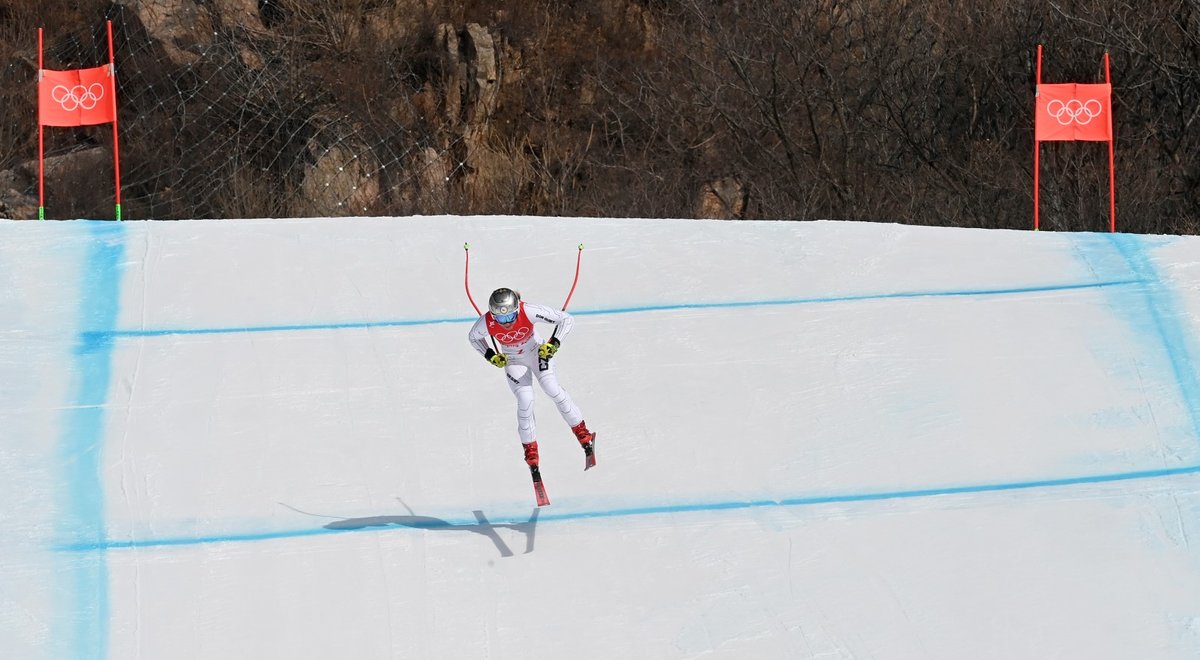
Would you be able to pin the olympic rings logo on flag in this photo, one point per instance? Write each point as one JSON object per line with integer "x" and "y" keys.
{"x": 1074, "y": 111}
{"x": 513, "y": 337}
{"x": 77, "y": 97}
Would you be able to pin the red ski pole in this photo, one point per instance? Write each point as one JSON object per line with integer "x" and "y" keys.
{"x": 578, "y": 259}
{"x": 467, "y": 285}
{"x": 467, "y": 275}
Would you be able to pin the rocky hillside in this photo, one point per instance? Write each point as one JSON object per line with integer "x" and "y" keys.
{"x": 917, "y": 112}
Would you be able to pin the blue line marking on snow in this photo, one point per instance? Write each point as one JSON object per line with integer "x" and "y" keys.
{"x": 866, "y": 297}
{"x": 546, "y": 515}
{"x": 84, "y": 633}
{"x": 102, "y": 335}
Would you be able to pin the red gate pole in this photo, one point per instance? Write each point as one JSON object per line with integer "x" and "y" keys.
{"x": 112, "y": 74}
{"x": 1112, "y": 172}
{"x": 41, "y": 143}
{"x": 1036, "y": 144}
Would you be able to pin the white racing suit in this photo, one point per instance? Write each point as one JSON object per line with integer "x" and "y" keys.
{"x": 519, "y": 342}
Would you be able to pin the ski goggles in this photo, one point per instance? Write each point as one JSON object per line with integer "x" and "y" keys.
{"x": 506, "y": 318}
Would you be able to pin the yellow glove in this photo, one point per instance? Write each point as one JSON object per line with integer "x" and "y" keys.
{"x": 498, "y": 359}
{"x": 547, "y": 350}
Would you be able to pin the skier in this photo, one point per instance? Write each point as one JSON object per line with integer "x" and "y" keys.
{"x": 523, "y": 356}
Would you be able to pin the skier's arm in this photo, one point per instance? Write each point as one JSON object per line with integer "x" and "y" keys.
{"x": 561, "y": 318}
{"x": 479, "y": 338}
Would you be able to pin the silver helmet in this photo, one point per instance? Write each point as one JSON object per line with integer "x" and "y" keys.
{"x": 503, "y": 304}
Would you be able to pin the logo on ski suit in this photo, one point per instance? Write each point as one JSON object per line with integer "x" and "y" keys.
{"x": 519, "y": 333}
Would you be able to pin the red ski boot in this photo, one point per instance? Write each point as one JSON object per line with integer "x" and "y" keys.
{"x": 587, "y": 440}
{"x": 531, "y": 458}
{"x": 531, "y": 454}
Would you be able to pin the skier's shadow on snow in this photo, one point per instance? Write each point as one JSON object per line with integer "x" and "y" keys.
{"x": 482, "y": 526}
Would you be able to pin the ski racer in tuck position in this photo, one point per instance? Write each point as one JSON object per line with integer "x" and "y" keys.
{"x": 524, "y": 356}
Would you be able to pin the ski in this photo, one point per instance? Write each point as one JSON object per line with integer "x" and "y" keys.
{"x": 589, "y": 454}
{"x": 539, "y": 490}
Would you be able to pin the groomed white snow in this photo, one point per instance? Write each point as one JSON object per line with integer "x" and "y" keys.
{"x": 270, "y": 439}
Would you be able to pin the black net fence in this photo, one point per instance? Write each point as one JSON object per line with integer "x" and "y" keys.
{"x": 766, "y": 109}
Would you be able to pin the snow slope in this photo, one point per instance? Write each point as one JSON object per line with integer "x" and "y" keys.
{"x": 270, "y": 439}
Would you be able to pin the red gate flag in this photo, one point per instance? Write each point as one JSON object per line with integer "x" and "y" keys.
{"x": 1071, "y": 111}
{"x": 1074, "y": 111}
{"x": 79, "y": 97}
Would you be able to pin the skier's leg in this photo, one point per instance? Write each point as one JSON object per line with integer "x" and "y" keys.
{"x": 570, "y": 412}
{"x": 520, "y": 380}
{"x": 566, "y": 407}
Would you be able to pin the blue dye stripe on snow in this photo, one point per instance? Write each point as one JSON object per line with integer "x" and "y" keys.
{"x": 84, "y": 632}
{"x": 106, "y": 335}
{"x": 544, "y": 516}
{"x": 1165, "y": 316}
